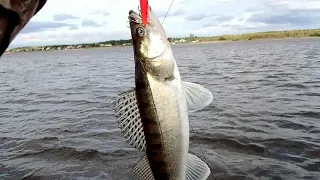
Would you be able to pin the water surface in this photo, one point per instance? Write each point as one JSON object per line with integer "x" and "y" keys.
{"x": 57, "y": 121}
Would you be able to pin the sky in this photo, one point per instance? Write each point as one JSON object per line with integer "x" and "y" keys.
{"x": 83, "y": 21}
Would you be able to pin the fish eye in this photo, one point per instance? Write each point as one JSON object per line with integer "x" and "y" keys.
{"x": 140, "y": 31}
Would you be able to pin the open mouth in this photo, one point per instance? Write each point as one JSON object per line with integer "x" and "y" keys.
{"x": 134, "y": 17}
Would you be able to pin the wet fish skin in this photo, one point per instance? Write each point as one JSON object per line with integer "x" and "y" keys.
{"x": 163, "y": 112}
{"x": 154, "y": 115}
{"x": 14, "y": 15}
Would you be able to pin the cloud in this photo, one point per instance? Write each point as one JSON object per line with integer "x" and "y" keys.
{"x": 294, "y": 12}
{"x": 62, "y": 17}
{"x": 216, "y": 20}
{"x": 223, "y": 18}
{"x": 62, "y": 24}
{"x": 74, "y": 28}
{"x": 184, "y": 1}
{"x": 100, "y": 12}
{"x": 195, "y": 17}
{"x": 295, "y": 5}
{"x": 177, "y": 13}
{"x": 162, "y": 13}
{"x": 71, "y": 37}
{"x": 88, "y": 23}
{"x": 39, "y": 26}
{"x": 286, "y": 18}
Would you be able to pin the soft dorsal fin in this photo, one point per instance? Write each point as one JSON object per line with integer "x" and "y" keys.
{"x": 198, "y": 97}
{"x": 196, "y": 169}
{"x": 129, "y": 121}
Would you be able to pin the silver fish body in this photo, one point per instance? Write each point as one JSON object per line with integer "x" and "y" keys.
{"x": 154, "y": 116}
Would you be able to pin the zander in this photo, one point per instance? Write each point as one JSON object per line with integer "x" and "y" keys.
{"x": 154, "y": 115}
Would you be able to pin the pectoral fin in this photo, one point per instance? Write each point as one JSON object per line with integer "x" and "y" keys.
{"x": 198, "y": 97}
{"x": 129, "y": 121}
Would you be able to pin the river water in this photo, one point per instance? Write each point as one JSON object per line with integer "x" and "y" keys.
{"x": 57, "y": 119}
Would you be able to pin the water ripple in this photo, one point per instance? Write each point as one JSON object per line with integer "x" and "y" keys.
{"x": 56, "y": 111}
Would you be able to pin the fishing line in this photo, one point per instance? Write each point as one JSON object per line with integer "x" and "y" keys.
{"x": 167, "y": 11}
{"x": 204, "y": 156}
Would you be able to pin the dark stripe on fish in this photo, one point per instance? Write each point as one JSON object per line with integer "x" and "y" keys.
{"x": 151, "y": 127}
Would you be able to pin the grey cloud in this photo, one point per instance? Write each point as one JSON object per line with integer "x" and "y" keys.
{"x": 237, "y": 26}
{"x": 104, "y": 13}
{"x": 177, "y": 13}
{"x": 287, "y": 5}
{"x": 210, "y": 24}
{"x": 279, "y": 13}
{"x": 185, "y": 1}
{"x": 196, "y": 17}
{"x": 88, "y": 22}
{"x": 79, "y": 38}
{"x": 74, "y": 28}
{"x": 215, "y": 21}
{"x": 223, "y": 18}
{"x": 62, "y": 17}
{"x": 252, "y": 9}
{"x": 38, "y": 26}
{"x": 286, "y": 18}
{"x": 161, "y": 14}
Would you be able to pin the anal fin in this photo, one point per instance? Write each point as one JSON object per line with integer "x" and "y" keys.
{"x": 196, "y": 168}
{"x": 129, "y": 121}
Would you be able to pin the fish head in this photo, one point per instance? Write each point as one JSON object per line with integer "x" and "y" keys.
{"x": 151, "y": 46}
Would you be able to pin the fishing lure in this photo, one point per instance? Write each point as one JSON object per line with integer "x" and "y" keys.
{"x": 144, "y": 11}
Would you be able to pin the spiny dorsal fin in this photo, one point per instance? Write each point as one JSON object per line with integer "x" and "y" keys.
{"x": 198, "y": 97}
{"x": 129, "y": 121}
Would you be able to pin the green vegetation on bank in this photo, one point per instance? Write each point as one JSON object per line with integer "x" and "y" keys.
{"x": 190, "y": 39}
{"x": 265, "y": 35}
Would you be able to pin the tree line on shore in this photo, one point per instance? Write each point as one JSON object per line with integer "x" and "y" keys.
{"x": 190, "y": 38}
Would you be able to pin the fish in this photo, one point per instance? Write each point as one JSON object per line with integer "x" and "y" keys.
{"x": 14, "y": 15}
{"x": 153, "y": 114}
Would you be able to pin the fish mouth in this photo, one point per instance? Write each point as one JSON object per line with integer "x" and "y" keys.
{"x": 134, "y": 17}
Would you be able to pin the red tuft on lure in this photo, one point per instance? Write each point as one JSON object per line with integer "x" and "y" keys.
{"x": 144, "y": 11}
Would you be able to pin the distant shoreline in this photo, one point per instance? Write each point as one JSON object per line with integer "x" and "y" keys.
{"x": 228, "y": 41}
{"x": 192, "y": 39}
